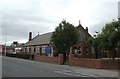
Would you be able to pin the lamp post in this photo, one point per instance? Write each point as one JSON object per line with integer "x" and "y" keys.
{"x": 5, "y": 42}
{"x": 5, "y": 49}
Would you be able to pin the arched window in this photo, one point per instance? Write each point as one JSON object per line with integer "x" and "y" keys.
{"x": 79, "y": 50}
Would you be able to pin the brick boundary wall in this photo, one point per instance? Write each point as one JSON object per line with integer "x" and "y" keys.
{"x": 94, "y": 63}
{"x": 118, "y": 52}
{"x": 55, "y": 60}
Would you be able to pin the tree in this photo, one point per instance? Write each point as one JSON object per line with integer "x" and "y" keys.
{"x": 108, "y": 35}
{"x": 64, "y": 37}
{"x": 116, "y": 25}
{"x": 93, "y": 42}
{"x": 108, "y": 39}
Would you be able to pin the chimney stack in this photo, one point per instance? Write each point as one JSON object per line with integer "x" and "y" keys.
{"x": 30, "y": 36}
{"x": 87, "y": 29}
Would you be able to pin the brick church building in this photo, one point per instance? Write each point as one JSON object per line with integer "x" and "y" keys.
{"x": 40, "y": 43}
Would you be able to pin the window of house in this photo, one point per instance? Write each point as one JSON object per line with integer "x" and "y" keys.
{"x": 43, "y": 49}
{"x": 79, "y": 50}
{"x": 27, "y": 49}
{"x": 37, "y": 49}
{"x": 23, "y": 49}
{"x": 30, "y": 49}
{"x": 34, "y": 50}
{"x": 40, "y": 50}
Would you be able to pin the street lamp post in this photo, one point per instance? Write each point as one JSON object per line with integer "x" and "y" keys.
{"x": 5, "y": 31}
{"x": 5, "y": 44}
{"x": 5, "y": 49}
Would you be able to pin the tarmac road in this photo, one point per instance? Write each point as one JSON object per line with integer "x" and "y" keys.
{"x": 15, "y": 67}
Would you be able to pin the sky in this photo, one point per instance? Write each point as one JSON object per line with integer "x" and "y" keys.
{"x": 19, "y": 17}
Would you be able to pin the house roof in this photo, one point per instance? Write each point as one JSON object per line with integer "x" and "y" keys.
{"x": 40, "y": 39}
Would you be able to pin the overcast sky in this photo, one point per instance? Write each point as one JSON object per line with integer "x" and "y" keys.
{"x": 19, "y": 17}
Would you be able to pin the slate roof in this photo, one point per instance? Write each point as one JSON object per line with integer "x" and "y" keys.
{"x": 40, "y": 39}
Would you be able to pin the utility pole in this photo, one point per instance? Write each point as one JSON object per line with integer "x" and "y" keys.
{"x": 5, "y": 49}
{"x": 5, "y": 39}
{"x": 5, "y": 45}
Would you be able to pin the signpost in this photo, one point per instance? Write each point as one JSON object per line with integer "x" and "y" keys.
{"x": 48, "y": 50}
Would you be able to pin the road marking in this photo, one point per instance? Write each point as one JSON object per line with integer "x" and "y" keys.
{"x": 70, "y": 74}
{"x": 60, "y": 69}
{"x": 81, "y": 76}
{"x": 86, "y": 74}
{"x": 67, "y": 71}
{"x": 63, "y": 72}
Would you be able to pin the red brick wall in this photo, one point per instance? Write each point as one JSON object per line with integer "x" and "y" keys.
{"x": 56, "y": 60}
{"x": 110, "y": 64}
{"x": 93, "y": 63}
{"x": 118, "y": 52}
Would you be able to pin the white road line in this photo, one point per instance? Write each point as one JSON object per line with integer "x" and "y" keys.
{"x": 63, "y": 72}
{"x": 78, "y": 75}
{"x": 66, "y": 71}
{"x": 60, "y": 69}
{"x": 86, "y": 74}
{"x": 81, "y": 76}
